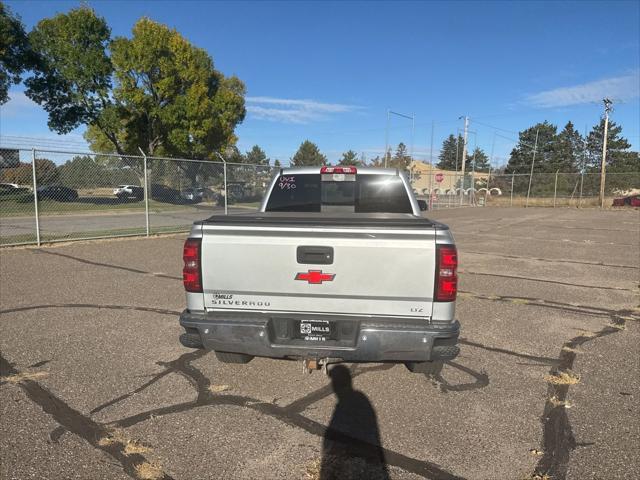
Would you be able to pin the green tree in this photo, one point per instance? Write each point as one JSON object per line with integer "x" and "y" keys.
{"x": 46, "y": 173}
{"x": 378, "y": 161}
{"x": 401, "y": 158}
{"x": 277, "y": 163}
{"x": 72, "y": 79}
{"x": 16, "y": 55}
{"x": 451, "y": 153}
{"x": 168, "y": 99}
{"x": 257, "y": 156}
{"x": 84, "y": 172}
{"x": 351, "y": 158}
{"x": 522, "y": 155}
{"x": 617, "y": 146}
{"x": 480, "y": 158}
{"x": 568, "y": 151}
{"x": 308, "y": 154}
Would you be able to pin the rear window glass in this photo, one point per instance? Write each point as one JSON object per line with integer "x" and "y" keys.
{"x": 366, "y": 194}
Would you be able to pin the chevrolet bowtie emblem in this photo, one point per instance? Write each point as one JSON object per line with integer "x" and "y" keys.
{"x": 315, "y": 276}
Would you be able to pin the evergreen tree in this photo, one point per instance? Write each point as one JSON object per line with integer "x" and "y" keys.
{"x": 481, "y": 161}
{"x": 351, "y": 158}
{"x": 450, "y": 153}
{"x": 568, "y": 151}
{"x": 308, "y": 155}
{"x": 257, "y": 156}
{"x": 522, "y": 155}
{"x": 616, "y": 145}
{"x": 401, "y": 158}
{"x": 377, "y": 161}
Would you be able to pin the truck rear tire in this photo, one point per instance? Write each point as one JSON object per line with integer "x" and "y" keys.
{"x": 429, "y": 368}
{"x": 228, "y": 357}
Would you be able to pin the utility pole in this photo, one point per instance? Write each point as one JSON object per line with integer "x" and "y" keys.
{"x": 464, "y": 156}
{"x": 433, "y": 125}
{"x": 533, "y": 162}
{"x": 386, "y": 138}
{"x": 607, "y": 110}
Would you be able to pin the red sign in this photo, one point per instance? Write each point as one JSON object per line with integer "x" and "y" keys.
{"x": 439, "y": 177}
{"x": 315, "y": 277}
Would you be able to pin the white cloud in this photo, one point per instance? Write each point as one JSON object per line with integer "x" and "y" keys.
{"x": 624, "y": 87}
{"x": 289, "y": 110}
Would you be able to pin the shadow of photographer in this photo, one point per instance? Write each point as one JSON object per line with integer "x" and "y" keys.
{"x": 351, "y": 446}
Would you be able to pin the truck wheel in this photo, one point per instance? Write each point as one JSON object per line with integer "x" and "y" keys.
{"x": 228, "y": 357}
{"x": 429, "y": 368}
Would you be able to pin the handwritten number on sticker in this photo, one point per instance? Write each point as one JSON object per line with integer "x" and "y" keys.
{"x": 287, "y": 183}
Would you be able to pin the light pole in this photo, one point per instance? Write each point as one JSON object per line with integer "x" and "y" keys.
{"x": 225, "y": 180}
{"x": 464, "y": 157}
{"x": 386, "y": 142}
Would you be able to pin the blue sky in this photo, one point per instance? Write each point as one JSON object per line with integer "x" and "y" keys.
{"x": 328, "y": 72}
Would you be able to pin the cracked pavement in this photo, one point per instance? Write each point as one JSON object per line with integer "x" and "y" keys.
{"x": 95, "y": 384}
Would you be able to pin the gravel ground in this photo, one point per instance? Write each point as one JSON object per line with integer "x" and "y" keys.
{"x": 95, "y": 384}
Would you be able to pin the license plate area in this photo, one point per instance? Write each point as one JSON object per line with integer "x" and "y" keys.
{"x": 285, "y": 331}
{"x": 316, "y": 330}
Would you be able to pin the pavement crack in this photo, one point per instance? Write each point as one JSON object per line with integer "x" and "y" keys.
{"x": 107, "y": 265}
{"x": 550, "y": 304}
{"x": 551, "y": 260}
{"x": 162, "y": 311}
{"x": 558, "y": 439}
{"x": 543, "y": 360}
{"x": 545, "y": 280}
{"x": 289, "y": 415}
{"x": 75, "y": 422}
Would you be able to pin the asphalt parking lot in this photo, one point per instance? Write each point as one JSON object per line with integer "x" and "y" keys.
{"x": 96, "y": 385}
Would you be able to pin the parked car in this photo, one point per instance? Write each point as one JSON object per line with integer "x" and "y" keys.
{"x": 166, "y": 194}
{"x": 12, "y": 188}
{"x": 630, "y": 200}
{"x": 129, "y": 191}
{"x": 337, "y": 265}
{"x": 57, "y": 192}
{"x": 193, "y": 195}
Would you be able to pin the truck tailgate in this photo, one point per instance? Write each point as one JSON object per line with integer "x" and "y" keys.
{"x": 256, "y": 266}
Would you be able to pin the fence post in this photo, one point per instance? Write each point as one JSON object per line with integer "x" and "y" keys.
{"x": 581, "y": 181}
{"x": 226, "y": 198}
{"x": 224, "y": 169}
{"x": 555, "y": 189}
{"x": 35, "y": 194}
{"x": 513, "y": 176}
{"x": 146, "y": 192}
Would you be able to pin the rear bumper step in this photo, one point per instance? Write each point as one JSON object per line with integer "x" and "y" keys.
{"x": 356, "y": 339}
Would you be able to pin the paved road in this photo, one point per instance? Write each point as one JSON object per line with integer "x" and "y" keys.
{"x": 96, "y": 385}
{"x": 78, "y": 225}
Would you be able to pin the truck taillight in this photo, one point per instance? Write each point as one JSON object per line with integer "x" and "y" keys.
{"x": 446, "y": 284}
{"x": 191, "y": 272}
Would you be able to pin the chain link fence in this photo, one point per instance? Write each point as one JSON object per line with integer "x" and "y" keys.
{"x": 50, "y": 196}
{"x": 447, "y": 190}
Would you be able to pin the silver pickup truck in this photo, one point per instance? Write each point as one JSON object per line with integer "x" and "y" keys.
{"x": 337, "y": 265}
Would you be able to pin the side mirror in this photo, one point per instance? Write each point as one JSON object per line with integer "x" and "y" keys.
{"x": 423, "y": 205}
